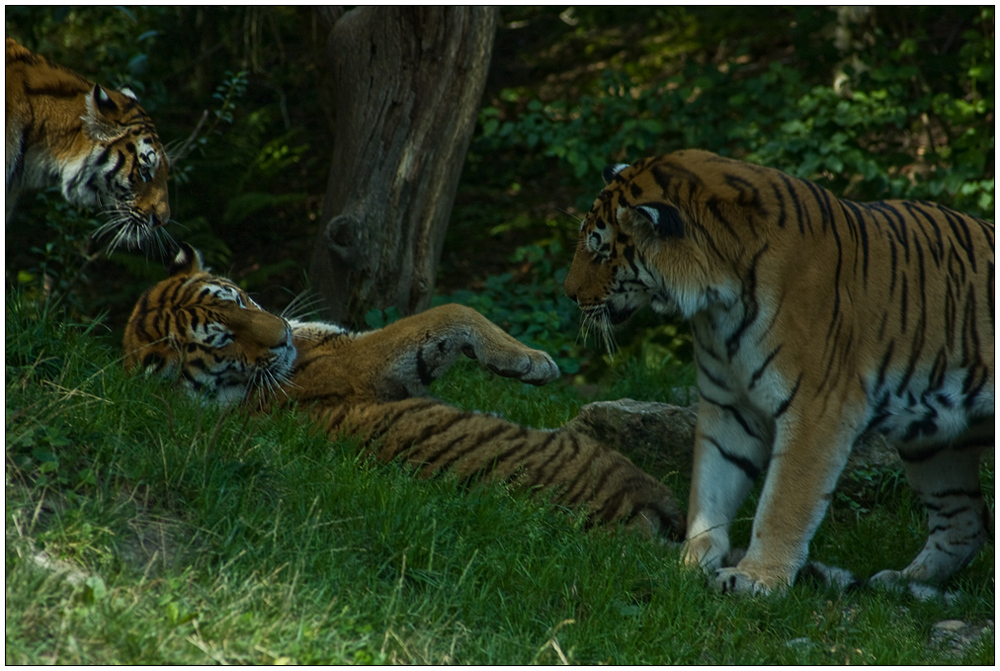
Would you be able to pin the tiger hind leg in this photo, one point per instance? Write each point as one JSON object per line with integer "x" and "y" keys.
{"x": 960, "y": 522}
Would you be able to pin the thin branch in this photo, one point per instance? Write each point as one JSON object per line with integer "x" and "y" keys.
{"x": 185, "y": 147}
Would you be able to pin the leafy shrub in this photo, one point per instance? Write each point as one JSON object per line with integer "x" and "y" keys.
{"x": 891, "y": 126}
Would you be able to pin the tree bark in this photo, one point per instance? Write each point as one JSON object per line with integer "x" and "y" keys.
{"x": 408, "y": 83}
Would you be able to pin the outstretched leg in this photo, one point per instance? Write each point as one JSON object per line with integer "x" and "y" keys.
{"x": 415, "y": 351}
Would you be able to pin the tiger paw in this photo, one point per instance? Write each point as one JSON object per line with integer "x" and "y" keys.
{"x": 737, "y": 581}
{"x": 531, "y": 365}
{"x": 893, "y": 581}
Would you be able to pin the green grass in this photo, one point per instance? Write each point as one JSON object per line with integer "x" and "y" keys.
{"x": 195, "y": 536}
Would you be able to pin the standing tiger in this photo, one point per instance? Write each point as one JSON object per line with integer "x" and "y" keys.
{"x": 815, "y": 321}
{"x": 208, "y": 335}
{"x": 98, "y": 146}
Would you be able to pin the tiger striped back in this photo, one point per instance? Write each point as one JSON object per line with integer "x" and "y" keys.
{"x": 564, "y": 467}
{"x": 99, "y": 146}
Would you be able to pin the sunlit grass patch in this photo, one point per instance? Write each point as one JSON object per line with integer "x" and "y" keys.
{"x": 142, "y": 528}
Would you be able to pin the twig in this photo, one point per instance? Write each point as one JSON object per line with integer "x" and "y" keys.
{"x": 186, "y": 145}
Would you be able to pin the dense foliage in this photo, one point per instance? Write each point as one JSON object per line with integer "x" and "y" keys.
{"x": 873, "y": 103}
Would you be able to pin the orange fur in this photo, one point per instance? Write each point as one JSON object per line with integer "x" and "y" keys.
{"x": 204, "y": 332}
{"x": 97, "y": 145}
{"x": 815, "y": 320}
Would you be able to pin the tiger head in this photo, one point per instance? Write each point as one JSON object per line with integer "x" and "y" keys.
{"x": 124, "y": 169}
{"x": 649, "y": 239}
{"x": 206, "y": 333}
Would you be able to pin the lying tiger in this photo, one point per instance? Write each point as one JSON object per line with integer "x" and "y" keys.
{"x": 99, "y": 146}
{"x": 205, "y": 332}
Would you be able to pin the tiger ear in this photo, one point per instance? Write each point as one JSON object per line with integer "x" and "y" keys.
{"x": 610, "y": 172}
{"x": 665, "y": 219}
{"x": 102, "y": 101}
{"x": 188, "y": 261}
{"x": 97, "y": 120}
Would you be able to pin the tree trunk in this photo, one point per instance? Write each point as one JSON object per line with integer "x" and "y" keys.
{"x": 408, "y": 83}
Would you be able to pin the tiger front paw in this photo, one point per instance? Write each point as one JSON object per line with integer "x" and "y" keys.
{"x": 531, "y": 365}
{"x": 741, "y": 581}
{"x": 889, "y": 580}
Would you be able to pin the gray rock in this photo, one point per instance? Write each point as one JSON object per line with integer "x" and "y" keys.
{"x": 956, "y": 636}
{"x": 659, "y": 437}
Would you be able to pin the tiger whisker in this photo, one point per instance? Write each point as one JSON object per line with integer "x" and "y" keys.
{"x": 267, "y": 382}
{"x": 597, "y": 319}
{"x": 307, "y": 336}
{"x": 164, "y": 241}
{"x": 569, "y": 214}
{"x": 125, "y": 232}
{"x": 301, "y": 304}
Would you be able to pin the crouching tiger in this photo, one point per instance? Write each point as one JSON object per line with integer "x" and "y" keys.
{"x": 206, "y": 333}
{"x": 815, "y": 321}
{"x": 99, "y": 146}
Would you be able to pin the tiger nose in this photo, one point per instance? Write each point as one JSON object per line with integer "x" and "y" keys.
{"x": 571, "y": 286}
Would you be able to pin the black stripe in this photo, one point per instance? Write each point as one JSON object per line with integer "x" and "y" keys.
{"x": 917, "y": 456}
{"x": 436, "y": 427}
{"x": 973, "y": 383}
{"x": 302, "y": 364}
{"x": 960, "y": 233}
{"x": 334, "y": 396}
{"x": 897, "y": 223}
{"x": 904, "y": 303}
{"x": 384, "y": 423}
{"x": 714, "y": 379}
{"x": 788, "y": 401}
{"x": 801, "y": 216}
{"x": 936, "y": 378}
{"x": 507, "y": 454}
{"x": 782, "y": 214}
{"x": 734, "y": 411}
{"x": 750, "y": 301}
{"x": 60, "y": 89}
{"x": 860, "y": 222}
{"x": 950, "y": 314}
{"x": 958, "y": 491}
{"x": 919, "y": 334}
{"x": 423, "y": 371}
{"x": 750, "y": 469}
{"x": 712, "y": 205}
{"x": 574, "y": 451}
{"x": 475, "y": 440}
{"x": 110, "y": 175}
{"x": 970, "y": 330}
{"x": 918, "y": 215}
{"x": 153, "y": 359}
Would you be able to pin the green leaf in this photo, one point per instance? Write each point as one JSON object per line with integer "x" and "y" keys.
{"x": 95, "y": 589}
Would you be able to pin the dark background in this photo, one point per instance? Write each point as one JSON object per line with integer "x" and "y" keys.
{"x": 873, "y": 103}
